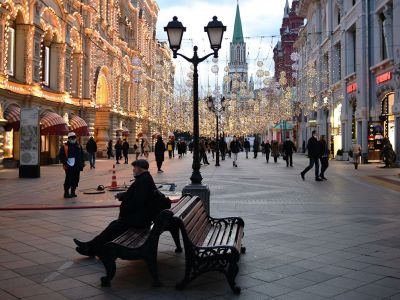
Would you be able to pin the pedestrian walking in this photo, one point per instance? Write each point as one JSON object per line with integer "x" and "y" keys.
{"x": 142, "y": 147}
{"x": 118, "y": 150}
{"x": 267, "y": 149}
{"x": 288, "y": 148}
{"x": 191, "y": 146}
{"x": 275, "y": 151}
{"x": 181, "y": 148}
{"x": 170, "y": 148}
{"x": 71, "y": 157}
{"x": 173, "y": 146}
{"x": 235, "y": 149}
{"x": 324, "y": 156}
{"x": 110, "y": 149}
{"x": 159, "y": 151}
{"x": 137, "y": 149}
{"x": 314, "y": 153}
{"x": 256, "y": 146}
{"x": 146, "y": 148}
{"x": 213, "y": 147}
{"x": 91, "y": 148}
{"x": 246, "y": 146}
{"x": 203, "y": 152}
{"x": 125, "y": 150}
{"x": 356, "y": 149}
{"x": 222, "y": 148}
{"x": 262, "y": 148}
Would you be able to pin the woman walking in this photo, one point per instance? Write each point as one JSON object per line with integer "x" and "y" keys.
{"x": 267, "y": 150}
{"x": 146, "y": 148}
{"x": 159, "y": 150}
{"x": 137, "y": 149}
{"x": 275, "y": 150}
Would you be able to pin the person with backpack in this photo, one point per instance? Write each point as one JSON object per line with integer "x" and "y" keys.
{"x": 71, "y": 157}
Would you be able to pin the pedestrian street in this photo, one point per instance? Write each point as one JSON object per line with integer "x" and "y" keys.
{"x": 336, "y": 239}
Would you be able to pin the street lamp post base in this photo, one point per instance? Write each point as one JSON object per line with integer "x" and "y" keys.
{"x": 199, "y": 190}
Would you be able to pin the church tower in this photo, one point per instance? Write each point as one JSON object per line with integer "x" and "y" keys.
{"x": 237, "y": 61}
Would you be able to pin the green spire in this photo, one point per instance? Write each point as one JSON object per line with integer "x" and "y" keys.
{"x": 238, "y": 32}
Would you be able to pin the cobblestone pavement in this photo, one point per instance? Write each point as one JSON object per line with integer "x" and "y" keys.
{"x": 337, "y": 239}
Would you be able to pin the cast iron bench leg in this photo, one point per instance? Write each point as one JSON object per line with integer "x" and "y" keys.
{"x": 110, "y": 266}
{"x": 231, "y": 275}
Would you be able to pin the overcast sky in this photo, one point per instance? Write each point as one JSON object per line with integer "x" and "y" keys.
{"x": 261, "y": 19}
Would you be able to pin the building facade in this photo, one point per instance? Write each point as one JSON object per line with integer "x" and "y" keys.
{"x": 349, "y": 79}
{"x": 283, "y": 50}
{"x": 95, "y": 62}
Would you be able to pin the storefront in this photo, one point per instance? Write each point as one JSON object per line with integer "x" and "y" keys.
{"x": 383, "y": 125}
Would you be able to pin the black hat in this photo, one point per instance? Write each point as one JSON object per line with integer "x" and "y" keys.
{"x": 141, "y": 163}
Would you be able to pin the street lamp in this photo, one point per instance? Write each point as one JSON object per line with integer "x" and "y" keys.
{"x": 215, "y": 30}
{"x": 217, "y": 110}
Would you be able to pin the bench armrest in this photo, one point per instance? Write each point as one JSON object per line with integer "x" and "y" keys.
{"x": 229, "y": 220}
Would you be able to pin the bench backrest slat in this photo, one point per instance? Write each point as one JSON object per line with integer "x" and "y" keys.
{"x": 184, "y": 200}
{"x": 195, "y": 221}
{"x": 219, "y": 235}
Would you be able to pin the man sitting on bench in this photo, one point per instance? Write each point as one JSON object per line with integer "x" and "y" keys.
{"x": 137, "y": 210}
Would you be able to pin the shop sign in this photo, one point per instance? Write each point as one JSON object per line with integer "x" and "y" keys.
{"x": 383, "y": 77}
{"x": 29, "y": 137}
{"x": 351, "y": 88}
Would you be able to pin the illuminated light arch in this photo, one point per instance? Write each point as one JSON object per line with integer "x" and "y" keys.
{"x": 103, "y": 90}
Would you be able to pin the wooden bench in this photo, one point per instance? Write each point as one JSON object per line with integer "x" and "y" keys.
{"x": 210, "y": 244}
{"x": 139, "y": 244}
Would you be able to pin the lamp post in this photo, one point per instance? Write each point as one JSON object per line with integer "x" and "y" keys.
{"x": 215, "y": 30}
{"x": 217, "y": 110}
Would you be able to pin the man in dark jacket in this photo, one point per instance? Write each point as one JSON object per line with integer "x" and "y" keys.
{"x": 159, "y": 151}
{"x": 137, "y": 210}
{"x": 256, "y": 147}
{"x": 314, "y": 152}
{"x": 91, "y": 148}
{"x": 222, "y": 147}
{"x": 71, "y": 156}
{"x": 235, "y": 149}
{"x": 125, "y": 150}
{"x": 246, "y": 146}
{"x": 288, "y": 148}
{"x": 118, "y": 150}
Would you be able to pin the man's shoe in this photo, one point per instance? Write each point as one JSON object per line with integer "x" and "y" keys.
{"x": 83, "y": 248}
{"x": 318, "y": 179}
{"x": 73, "y": 193}
{"x": 67, "y": 195}
{"x": 323, "y": 177}
{"x": 302, "y": 175}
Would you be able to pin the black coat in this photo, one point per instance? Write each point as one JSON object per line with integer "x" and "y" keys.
{"x": 267, "y": 147}
{"x": 314, "y": 148}
{"x": 118, "y": 148}
{"x": 246, "y": 145}
{"x": 288, "y": 147}
{"x": 91, "y": 146}
{"x": 74, "y": 150}
{"x": 138, "y": 204}
{"x": 256, "y": 146}
{"x": 125, "y": 147}
{"x": 159, "y": 150}
{"x": 235, "y": 147}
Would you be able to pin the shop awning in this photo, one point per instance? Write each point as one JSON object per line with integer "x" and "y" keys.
{"x": 283, "y": 126}
{"x": 52, "y": 124}
{"x": 78, "y": 125}
{"x": 12, "y": 115}
{"x": 124, "y": 131}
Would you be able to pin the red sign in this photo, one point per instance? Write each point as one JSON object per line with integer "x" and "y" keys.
{"x": 351, "y": 88}
{"x": 383, "y": 77}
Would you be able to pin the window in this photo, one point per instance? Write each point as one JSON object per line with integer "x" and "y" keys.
{"x": 11, "y": 51}
{"x": 46, "y": 66}
{"x": 383, "y": 40}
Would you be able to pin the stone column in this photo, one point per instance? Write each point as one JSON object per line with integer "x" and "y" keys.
{"x": 102, "y": 124}
{"x": 57, "y": 66}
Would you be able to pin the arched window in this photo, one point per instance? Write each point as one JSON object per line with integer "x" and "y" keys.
{"x": 11, "y": 49}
